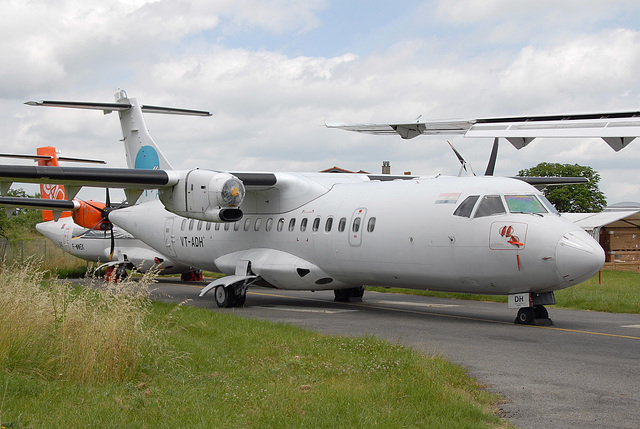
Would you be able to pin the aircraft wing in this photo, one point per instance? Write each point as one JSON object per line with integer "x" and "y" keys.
{"x": 125, "y": 178}
{"x": 86, "y": 176}
{"x": 618, "y": 129}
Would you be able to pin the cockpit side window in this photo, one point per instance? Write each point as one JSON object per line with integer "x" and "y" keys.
{"x": 524, "y": 204}
{"x": 466, "y": 207}
{"x": 548, "y": 204}
{"x": 490, "y": 205}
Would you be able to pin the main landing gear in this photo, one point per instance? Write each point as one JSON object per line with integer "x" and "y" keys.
{"x": 192, "y": 276}
{"x": 353, "y": 294}
{"x": 230, "y": 296}
{"x": 115, "y": 273}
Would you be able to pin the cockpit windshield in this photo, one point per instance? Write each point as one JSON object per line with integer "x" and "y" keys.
{"x": 524, "y": 204}
{"x": 490, "y": 205}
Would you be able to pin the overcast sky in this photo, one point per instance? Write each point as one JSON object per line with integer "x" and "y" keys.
{"x": 272, "y": 71}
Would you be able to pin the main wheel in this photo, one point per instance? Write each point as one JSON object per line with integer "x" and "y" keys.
{"x": 341, "y": 295}
{"x": 221, "y": 295}
{"x": 526, "y": 316}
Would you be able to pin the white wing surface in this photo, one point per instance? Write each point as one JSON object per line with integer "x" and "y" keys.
{"x": 618, "y": 129}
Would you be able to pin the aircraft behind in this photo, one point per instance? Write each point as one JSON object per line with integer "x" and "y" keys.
{"x": 118, "y": 250}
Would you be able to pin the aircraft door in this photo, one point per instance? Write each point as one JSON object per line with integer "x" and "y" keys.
{"x": 355, "y": 227}
{"x": 66, "y": 238}
{"x": 169, "y": 237}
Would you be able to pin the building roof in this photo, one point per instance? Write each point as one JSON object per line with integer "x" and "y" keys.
{"x": 335, "y": 169}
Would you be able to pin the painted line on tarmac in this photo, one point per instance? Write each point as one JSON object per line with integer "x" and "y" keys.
{"x": 414, "y": 304}
{"x": 631, "y": 326}
{"x": 306, "y": 310}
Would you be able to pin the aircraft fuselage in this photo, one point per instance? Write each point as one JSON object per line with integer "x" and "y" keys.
{"x": 332, "y": 231}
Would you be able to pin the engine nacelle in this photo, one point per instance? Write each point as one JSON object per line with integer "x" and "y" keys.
{"x": 205, "y": 195}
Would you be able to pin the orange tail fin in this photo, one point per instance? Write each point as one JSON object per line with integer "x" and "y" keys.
{"x": 51, "y": 192}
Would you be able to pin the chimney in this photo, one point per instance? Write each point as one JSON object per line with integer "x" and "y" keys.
{"x": 386, "y": 167}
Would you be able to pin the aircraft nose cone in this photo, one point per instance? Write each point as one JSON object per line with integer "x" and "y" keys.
{"x": 578, "y": 257}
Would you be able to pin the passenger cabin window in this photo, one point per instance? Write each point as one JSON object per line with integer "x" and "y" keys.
{"x": 371, "y": 224}
{"x": 247, "y": 224}
{"x": 356, "y": 224}
{"x": 191, "y": 224}
{"x": 303, "y": 224}
{"x": 280, "y": 224}
{"x": 184, "y": 223}
{"x": 236, "y": 226}
{"x": 199, "y": 225}
{"x": 256, "y": 227}
{"x": 316, "y": 224}
{"x": 524, "y": 204}
{"x": 490, "y": 205}
{"x": 342, "y": 224}
{"x": 328, "y": 224}
{"x": 292, "y": 224}
{"x": 466, "y": 207}
{"x": 269, "y": 224}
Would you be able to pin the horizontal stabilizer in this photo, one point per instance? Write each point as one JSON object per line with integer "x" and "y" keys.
{"x": 121, "y": 106}
{"x": 49, "y": 157}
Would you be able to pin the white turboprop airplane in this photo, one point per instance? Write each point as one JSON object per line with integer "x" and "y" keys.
{"x": 318, "y": 231}
{"x": 98, "y": 241}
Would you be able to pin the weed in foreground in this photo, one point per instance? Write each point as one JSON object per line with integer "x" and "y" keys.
{"x": 57, "y": 330}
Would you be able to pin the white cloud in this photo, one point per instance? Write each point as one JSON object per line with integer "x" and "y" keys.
{"x": 468, "y": 59}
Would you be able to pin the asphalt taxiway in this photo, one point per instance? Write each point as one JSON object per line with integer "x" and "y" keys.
{"x": 582, "y": 372}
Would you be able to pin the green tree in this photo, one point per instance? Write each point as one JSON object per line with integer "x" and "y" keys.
{"x": 19, "y": 222}
{"x": 583, "y": 198}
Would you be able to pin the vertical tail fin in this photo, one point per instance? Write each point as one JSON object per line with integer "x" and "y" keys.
{"x": 140, "y": 149}
{"x": 51, "y": 192}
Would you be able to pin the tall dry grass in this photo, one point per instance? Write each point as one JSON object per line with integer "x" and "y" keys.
{"x": 55, "y": 329}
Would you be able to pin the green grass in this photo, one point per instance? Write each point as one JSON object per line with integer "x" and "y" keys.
{"x": 618, "y": 293}
{"x": 192, "y": 367}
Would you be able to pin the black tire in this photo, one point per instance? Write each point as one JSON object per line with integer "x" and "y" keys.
{"x": 541, "y": 312}
{"x": 358, "y": 292}
{"x": 526, "y": 316}
{"x": 341, "y": 295}
{"x": 239, "y": 301}
{"x": 222, "y": 296}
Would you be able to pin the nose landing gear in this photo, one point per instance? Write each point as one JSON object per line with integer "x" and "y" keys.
{"x": 531, "y": 310}
{"x": 536, "y": 315}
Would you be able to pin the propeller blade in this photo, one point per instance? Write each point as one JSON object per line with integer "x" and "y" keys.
{"x": 113, "y": 241}
{"x": 491, "y": 166}
{"x": 463, "y": 163}
{"x": 87, "y": 231}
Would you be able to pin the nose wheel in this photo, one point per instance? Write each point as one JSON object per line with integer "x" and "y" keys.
{"x": 537, "y": 315}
